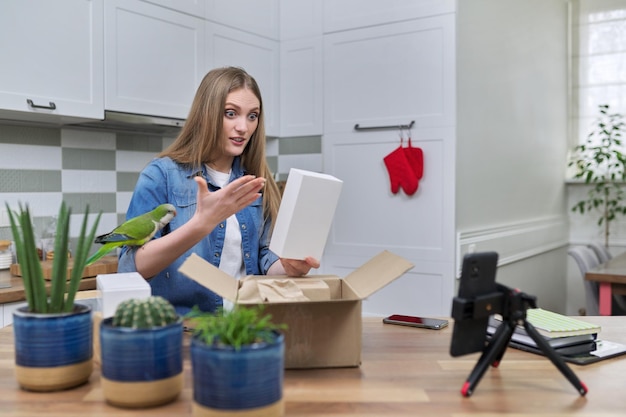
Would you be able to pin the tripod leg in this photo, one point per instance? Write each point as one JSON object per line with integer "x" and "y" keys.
{"x": 555, "y": 358}
{"x": 492, "y": 353}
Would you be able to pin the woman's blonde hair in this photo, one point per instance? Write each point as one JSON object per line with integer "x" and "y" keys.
{"x": 199, "y": 139}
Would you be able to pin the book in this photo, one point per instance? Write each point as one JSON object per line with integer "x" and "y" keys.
{"x": 554, "y": 325}
{"x": 604, "y": 349}
{"x": 519, "y": 336}
{"x": 573, "y": 350}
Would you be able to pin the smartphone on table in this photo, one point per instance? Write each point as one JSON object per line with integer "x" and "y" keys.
{"x": 414, "y": 321}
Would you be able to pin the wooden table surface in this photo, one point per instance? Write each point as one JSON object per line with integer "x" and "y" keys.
{"x": 611, "y": 277}
{"x": 404, "y": 372}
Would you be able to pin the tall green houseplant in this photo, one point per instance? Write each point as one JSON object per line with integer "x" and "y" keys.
{"x": 62, "y": 294}
{"x": 601, "y": 163}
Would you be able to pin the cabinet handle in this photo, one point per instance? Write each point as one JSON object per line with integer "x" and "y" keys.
{"x": 50, "y": 106}
{"x": 409, "y": 126}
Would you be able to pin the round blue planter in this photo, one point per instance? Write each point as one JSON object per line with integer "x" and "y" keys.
{"x": 44, "y": 340}
{"x": 229, "y": 379}
{"x": 141, "y": 354}
{"x": 141, "y": 367}
{"x": 57, "y": 345}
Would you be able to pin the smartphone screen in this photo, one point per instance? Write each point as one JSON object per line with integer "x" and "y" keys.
{"x": 424, "y": 322}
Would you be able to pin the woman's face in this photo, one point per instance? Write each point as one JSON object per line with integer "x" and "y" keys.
{"x": 241, "y": 118}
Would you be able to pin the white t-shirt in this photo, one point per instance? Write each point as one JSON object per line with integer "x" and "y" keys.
{"x": 231, "y": 260}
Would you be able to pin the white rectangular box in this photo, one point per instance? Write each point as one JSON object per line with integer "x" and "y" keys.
{"x": 305, "y": 214}
{"x": 112, "y": 289}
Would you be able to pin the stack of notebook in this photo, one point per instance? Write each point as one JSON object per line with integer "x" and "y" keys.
{"x": 574, "y": 340}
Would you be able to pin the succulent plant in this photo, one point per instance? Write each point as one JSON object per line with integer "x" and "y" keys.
{"x": 238, "y": 327}
{"x": 144, "y": 313}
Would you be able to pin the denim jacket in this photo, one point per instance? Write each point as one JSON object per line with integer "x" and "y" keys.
{"x": 165, "y": 181}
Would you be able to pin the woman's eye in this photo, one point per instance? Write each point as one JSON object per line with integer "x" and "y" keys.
{"x": 253, "y": 116}
{"x": 230, "y": 113}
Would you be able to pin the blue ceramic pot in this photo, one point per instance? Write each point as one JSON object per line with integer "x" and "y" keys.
{"x": 53, "y": 351}
{"x": 228, "y": 380}
{"x": 141, "y": 367}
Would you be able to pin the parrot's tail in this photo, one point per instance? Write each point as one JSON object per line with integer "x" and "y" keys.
{"x": 99, "y": 254}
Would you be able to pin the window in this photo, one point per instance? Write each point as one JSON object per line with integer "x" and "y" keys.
{"x": 599, "y": 61}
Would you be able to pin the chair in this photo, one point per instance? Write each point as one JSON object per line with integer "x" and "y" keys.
{"x": 586, "y": 259}
{"x": 601, "y": 251}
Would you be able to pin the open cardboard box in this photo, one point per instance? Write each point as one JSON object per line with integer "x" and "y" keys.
{"x": 321, "y": 333}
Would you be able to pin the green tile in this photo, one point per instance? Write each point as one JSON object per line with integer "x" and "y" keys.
{"x": 29, "y": 181}
{"x": 88, "y": 159}
{"x": 272, "y": 161}
{"x": 300, "y": 145}
{"x": 105, "y": 202}
{"x": 30, "y": 135}
{"x": 143, "y": 143}
{"x": 126, "y": 181}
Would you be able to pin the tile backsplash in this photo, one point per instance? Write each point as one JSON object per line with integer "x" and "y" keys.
{"x": 43, "y": 166}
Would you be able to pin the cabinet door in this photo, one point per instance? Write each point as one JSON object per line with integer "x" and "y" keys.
{"x": 52, "y": 55}
{"x": 352, "y": 14}
{"x": 192, "y": 7}
{"x": 154, "y": 58}
{"x": 257, "y": 55}
{"x": 384, "y": 76}
{"x": 301, "y": 105}
{"x": 300, "y": 19}
{"x": 259, "y": 17}
{"x": 390, "y": 75}
{"x": 7, "y": 311}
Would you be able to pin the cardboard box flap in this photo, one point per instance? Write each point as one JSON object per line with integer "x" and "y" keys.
{"x": 210, "y": 277}
{"x": 376, "y": 273}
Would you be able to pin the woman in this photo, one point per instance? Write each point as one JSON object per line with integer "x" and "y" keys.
{"x": 216, "y": 175}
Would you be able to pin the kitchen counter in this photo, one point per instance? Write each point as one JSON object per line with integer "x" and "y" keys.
{"x": 16, "y": 291}
{"x": 404, "y": 372}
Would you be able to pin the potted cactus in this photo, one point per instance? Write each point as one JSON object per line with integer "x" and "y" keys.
{"x": 141, "y": 353}
{"x": 53, "y": 334}
{"x": 237, "y": 361}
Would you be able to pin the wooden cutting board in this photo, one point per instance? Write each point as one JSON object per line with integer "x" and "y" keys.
{"x": 106, "y": 265}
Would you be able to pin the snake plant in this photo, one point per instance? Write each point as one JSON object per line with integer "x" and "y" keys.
{"x": 62, "y": 294}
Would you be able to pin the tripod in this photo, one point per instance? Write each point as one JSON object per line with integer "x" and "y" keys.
{"x": 513, "y": 310}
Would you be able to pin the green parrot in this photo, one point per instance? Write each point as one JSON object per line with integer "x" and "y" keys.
{"x": 135, "y": 231}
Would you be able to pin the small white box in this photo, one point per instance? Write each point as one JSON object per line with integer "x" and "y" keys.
{"x": 305, "y": 214}
{"x": 115, "y": 288}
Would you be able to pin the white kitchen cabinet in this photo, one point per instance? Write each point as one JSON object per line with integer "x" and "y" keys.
{"x": 192, "y": 7}
{"x": 259, "y": 56}
{"x": 390, "y": 75}
{"x": 154, "y": 58}
{"x": 300, "y": 19}
{"x": 301, "y": 87}
{"x": 7, "y": 311}
{"x": 352, "y": 14}
{"x": 52, "y": 60}
{"x": 259, "y": 17}
{"x": 380, "y": 77}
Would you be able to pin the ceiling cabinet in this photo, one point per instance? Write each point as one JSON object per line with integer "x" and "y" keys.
{"x": 154, "y": 58}
{"x": 259, "y": 56}
{"x": 259, "y": 17}
{"x": 52, "y": 60}
{"x": 301, "y": 87}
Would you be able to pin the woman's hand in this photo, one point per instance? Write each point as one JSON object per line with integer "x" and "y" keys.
{"x": 215, "y": 207}
{"x": 293, "y": 267}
